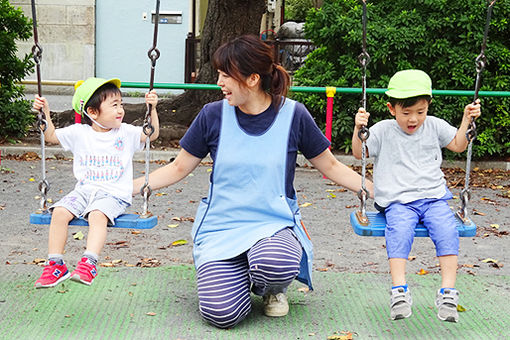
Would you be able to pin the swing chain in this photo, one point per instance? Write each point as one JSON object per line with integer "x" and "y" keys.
{"x": 44, "y": 185}
{"x": 471, "y": 133}
{"x": 363, "y": 133}
{"x": 148, "y": 128}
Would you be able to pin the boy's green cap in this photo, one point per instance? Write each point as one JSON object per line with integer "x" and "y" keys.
{"x": 409, "y": 83}
{"x": 85, "y": 89}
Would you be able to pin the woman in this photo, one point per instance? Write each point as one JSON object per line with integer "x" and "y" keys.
{"x": 248, "y": 233}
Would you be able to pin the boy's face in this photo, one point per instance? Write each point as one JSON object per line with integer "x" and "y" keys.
{"x": 111, "y": 112}
{"x": 410, "y": 118}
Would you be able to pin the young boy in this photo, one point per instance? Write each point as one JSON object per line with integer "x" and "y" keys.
{"x": 103, "y": 153}
{"x": 409, "y": 185}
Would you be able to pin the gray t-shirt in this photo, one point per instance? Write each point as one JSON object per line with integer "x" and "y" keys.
{"x": 408, "y": 167}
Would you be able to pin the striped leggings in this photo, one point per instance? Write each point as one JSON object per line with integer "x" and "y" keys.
{"x": 268, "y": 267}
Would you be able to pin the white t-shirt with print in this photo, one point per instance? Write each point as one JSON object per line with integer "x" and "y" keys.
{"x": 103, "y": 160}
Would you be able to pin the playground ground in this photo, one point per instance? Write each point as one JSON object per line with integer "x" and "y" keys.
{"x": 146, "y": 283}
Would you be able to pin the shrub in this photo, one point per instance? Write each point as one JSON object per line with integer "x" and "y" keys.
{"x": 441, "y": 37}
{"x": 15, "y": 114}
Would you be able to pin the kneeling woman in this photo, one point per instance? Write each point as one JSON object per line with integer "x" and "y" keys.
{"x": 247, "y": 234}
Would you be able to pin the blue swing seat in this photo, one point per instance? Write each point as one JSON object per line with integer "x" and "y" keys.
{"x": 131, "y": 221}
{"x": 377, "y": 225}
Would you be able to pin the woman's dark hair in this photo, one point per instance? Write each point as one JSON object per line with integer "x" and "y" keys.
{"x": 103, "y": 92}
{"x": 406, "y": 102}
{"x": 246, "y": 55}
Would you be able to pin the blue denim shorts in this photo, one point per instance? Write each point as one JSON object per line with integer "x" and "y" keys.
{"x": 436, "y": 216}
{"x": 81, "y": 202}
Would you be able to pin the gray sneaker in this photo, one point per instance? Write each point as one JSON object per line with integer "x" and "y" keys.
{"x": 401, "y": 302}
{"x": 276, "y": 305}
{"x": 446, "y": 304}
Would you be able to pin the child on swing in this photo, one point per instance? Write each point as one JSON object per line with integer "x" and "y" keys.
{"x": 409, "y": 185}
{"x": 103, "y": 153}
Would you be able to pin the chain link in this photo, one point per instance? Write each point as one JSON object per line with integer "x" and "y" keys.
{"x": 480, "y": 63}
{"x": 148, "y": 128}
{"x": 363, "y": 133}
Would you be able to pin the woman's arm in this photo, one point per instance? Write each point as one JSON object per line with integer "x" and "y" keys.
{"x": 169, "y": 174}
{"x": 340, "y": 173}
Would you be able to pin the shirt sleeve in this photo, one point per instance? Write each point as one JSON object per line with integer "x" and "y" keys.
{"x": 311, "y": 140}
{"x": 374, "y": 139}
{"x": 133, "y": 134}
{"x": 204, "y": 131}
{"x": 67, "y": 136}
{"x": 446, "y": 132}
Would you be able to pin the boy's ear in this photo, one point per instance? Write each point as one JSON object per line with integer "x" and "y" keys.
{"x": 92, "y": 112}
{"x": 391, "y": 108}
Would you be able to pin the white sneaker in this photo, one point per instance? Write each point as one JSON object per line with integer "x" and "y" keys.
{"x": 276, "y": 305}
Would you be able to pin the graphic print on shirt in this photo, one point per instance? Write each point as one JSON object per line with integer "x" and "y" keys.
{"x": 101, "y": 168}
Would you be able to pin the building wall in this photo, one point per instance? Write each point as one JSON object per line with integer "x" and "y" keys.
{"x": 66, "y": 30}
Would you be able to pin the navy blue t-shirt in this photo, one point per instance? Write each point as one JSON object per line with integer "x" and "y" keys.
{"x": 305, "y": 136}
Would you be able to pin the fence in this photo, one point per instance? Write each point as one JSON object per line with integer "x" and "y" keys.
{"x": 290, "y": 53}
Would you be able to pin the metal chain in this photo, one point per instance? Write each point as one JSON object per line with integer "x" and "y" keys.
{"x": 471, "y": 133}
{"x": 44, "y": 185}
{"x": 363, "y": 133}
{"x": 148, "y": 129}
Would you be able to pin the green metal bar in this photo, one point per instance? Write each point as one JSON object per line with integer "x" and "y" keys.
{"x": 339, "y": 90}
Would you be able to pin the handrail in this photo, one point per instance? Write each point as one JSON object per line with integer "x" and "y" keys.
{"x": 339, "y": 90}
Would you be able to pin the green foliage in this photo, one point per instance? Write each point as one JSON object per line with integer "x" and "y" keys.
{"x": 296, "y": 10}
{"x": 15, "y": 115}
{"x": 441, "y": 37}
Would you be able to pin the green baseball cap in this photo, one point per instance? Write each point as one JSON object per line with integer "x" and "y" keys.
{"x": 85, "y": 89}
{"x": 409, "y": 83}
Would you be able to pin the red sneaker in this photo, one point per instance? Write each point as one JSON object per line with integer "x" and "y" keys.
{"x": 53, "y": 274}
{"x": 84, "y": 272}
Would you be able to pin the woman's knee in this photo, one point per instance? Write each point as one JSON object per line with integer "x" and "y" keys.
{"x": 225, "y": 315}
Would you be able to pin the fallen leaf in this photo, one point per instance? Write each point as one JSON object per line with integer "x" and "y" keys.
{"x": 150, "y": 313}
{"x": 209, "y": 170}
{"x": 39, "y": 261}
{"x": 495, "y": 226}
{"x": 78, "y": 236}
{"x": 31, "y": 179}
{"x": 172, "y": 225}
{"x": 332, "y": 195}
{"x": 489, "y": 260}
{"x": 304, "y": 205}
{"x": 498, "y": 265}
{"x": 460, "y": 308}
{"x": 322, "y": 269}
{"x": 159, "y": 194}
{"x": 476, "y": 212}
{"x": 422, "y": 272}
{"x": 411, "y": 258}
{"x": 178, "y": 243}
{"x": 341, "y": 336}
{"x": 106, "y": 264}
{"x": 303, "y": 289}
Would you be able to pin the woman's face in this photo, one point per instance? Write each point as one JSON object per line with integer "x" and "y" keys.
{"x": 235, "y": 93}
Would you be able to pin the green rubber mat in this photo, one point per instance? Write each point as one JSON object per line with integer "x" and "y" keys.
{"x": 161, "y": 303}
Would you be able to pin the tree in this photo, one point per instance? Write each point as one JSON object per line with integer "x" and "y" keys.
{"x": 15, "y": 115}
{"x": 441, "y": 37}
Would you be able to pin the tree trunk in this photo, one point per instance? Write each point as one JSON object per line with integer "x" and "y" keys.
{"x": 225, "y": 20}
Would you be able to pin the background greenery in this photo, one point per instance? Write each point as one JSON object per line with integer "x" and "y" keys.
{"x": 441, "y": 37}
{"x": 15, "y": 114}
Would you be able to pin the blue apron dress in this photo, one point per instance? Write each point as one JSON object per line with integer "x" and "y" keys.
{"x": 247, "y": 200}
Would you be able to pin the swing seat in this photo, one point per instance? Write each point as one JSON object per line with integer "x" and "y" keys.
{"x": 377, "y": 225}
{"x": 130, "y": 221}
